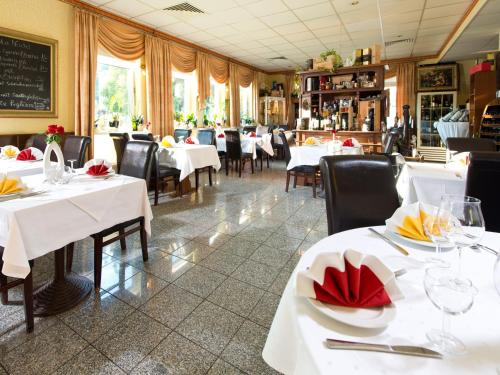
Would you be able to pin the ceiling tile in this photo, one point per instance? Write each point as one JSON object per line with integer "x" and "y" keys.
{"x": 294, "y": 4}
{"x": 294, "y": 37}
{"x": 249, "y": 25}
{"x": 131, "y": 8}
{"x": 280, "y": 19}
{"x": 179, "y": 28}
{"x": 266, "y": 7}
{"x": 157, "y": 18}
{"x": 322, "y": 22}
{"x": 291, "y": 28}
{"x": 313, "y": 11}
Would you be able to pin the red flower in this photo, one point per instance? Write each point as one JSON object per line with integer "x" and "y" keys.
{"x": 348, "y": 143}
{"x": 60, "y": 130}
{"x": 334, "y": 131}
{"x": 52, "y": 129}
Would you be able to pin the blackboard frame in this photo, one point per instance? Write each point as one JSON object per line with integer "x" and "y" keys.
{"x": 53, "y": 44}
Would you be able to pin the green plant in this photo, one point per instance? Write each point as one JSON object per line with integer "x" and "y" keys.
{"x": 115, "y": 117}
{"x": 191, "y": 119}
{"x": 136, "y": 121}
{"x": 336, "y": 58}
{"x": 179, "y": 117}
{"x": 247, "y": 120}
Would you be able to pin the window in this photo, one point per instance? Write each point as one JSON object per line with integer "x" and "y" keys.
{"x": 215, "y": 104}
{"x": 391, "y": 85}
{"x": 117, "y": 91}
{"x": 184, "y": 89}
{"x": 246, "y": 104}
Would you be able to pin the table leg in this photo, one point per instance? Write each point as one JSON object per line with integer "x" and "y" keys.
{"x": 62, "y": 293}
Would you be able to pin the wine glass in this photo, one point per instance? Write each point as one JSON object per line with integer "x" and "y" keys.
{"x": 437, "y": 227}
{"x": 72, "y": 165}
{"x": 466, "y": 217}
{"x": 453, "y": 295}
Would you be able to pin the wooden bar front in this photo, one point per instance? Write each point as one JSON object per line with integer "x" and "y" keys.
{"x": 371, "y": 141}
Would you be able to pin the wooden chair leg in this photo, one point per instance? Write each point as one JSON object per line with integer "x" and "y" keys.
{"x": 97, "y": 261}
{"x": 123, "y": 243}
{"x": 268, "y": 161}
{"x": 240, "y": 168}
{"x": 157, "y": 183}
{"x": 28, "y": 302}
{"x": 197, "y": 178}
{"x": 69, "y": 256}
{"x": 5, "y": 293}
{"x": 287, "y": 180}
{"x": 210, "y": 176}
{"x": 252, "y": 168}
{"x": 261, "y": 160}
{"x": 227, "y": 167}
{"x": 144, "y": 241}
{"x": 294, "y": 181}
{"x": 314, "y": 186}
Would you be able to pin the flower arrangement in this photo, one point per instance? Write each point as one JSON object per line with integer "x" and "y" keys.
{"x": 54, "y": 133}
{"x": 137, "y": 120}
{"x": 348, "y": 143}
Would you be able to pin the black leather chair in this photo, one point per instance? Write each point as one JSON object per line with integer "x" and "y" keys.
{"x": 471, "y": 144}
{"x": 390, "y": 140}
{"x": 137, "y": 162}
{"x": 38, "y": 141}
{"x": 181, "y": 133}
{"x": 483, "y": 180}
{"x": 161, "y": 175}
{"x": 120, "y": 141}
{"x": 305, "y": 171}
{"x": 205, "y": 137}
{"x": 75, "y": 148}
{"x": 234, "y": 152}
{"x": 27, "y": 284}
{"x": 143, "y": 137}
{"x": 360, "y": 191}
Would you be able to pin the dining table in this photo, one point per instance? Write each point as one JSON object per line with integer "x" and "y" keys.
{"x": 59, "y": 215}
{"x": 428, "y": 182}
{"x": 21, "y": 167}
{"x": 311, "y": 154}
{"x": 188, "y": 157}
{"x": 249, "y": 144}
{"x": 296, "y": 340}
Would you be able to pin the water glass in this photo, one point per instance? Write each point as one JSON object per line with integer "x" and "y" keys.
{"x": 437, "y": 228}
{"x": 453, "y": 295}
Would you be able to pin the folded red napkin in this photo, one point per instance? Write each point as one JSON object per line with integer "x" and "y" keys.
{"x": 98, "y": 170}
{"x": 348, "y": 143}
{"x": 221, "y": 135}
{"x": 351, "y": 279}
{"x": 26, "y": 154}
{"x": 252, "y": 134}
{"x": 189, "y": 141}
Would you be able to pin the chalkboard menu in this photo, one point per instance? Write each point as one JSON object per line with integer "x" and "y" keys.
{"x": 27, "y": 75}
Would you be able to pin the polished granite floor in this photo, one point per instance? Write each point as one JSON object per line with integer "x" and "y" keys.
{"x": 203, "y": 303}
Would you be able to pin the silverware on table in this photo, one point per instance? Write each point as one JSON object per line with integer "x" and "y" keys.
{"x": 401, "y": 249}
{"x": 395, "y": 349}
{"x": 400, "y": 272}
{"x": 21, "y": 196}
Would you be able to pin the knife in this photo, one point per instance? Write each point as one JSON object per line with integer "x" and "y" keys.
{"x": 390, "y": 242}
{"x": 395, "y": 349}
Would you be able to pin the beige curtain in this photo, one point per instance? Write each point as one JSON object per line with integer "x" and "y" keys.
{"x": 183, "y": 58}
{"x": 255, "y": 97}
{"x": 245, "y": 75}
{"x": 203, "y": 73}
{"x": 289, "y": 112}
{"x": 159, "y": 85}
{"x": 86, "y": 25}
{"x": 405, "y": 76}
{"x": 121, "y": 41}
{"x": 219, "y": 69}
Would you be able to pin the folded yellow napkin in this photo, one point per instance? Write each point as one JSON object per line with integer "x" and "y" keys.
{"x": 10, "y": 151}
{"x": 10, "y": 185}
{"x": 408, "y": 221}
{"x": 311, "y": 141}
{"x": 168, "y": 141}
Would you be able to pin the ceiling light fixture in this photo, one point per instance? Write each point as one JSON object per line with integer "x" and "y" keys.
{"x": 356, "y": 2}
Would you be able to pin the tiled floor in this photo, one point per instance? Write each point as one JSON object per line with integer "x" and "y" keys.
{"x": 203, "y": 303}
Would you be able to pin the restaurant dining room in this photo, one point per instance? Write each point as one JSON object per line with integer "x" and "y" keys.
{"x": 296, "y": 187}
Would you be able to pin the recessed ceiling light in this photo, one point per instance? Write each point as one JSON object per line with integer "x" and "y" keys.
{"x": 356, "y": 2}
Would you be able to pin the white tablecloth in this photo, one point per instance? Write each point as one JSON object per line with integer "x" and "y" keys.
{"x": 295, "y": 344}
{"x": 428, "y": 182}
{"x": 187, "y": 158}
{"x": 310, "y": 155}
{"x": 34, "y": 226}
{"x": 249, "y": 145}
{"x": 21, "y": 168}
{"x": 452, "y": 129}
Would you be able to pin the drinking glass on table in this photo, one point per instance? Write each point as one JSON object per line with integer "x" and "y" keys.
{"x": 437, "y": 227}
{"x": 72, "y": 165}
{"x": 453, "y": 295}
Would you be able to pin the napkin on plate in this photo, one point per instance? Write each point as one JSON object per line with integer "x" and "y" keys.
{"x": 30, "y": 153}
{"x": 351, "y": 279}
{"x": 462, "y": 159}
{"x": 168, "y": 141}
{"x": 191, "y": 140}
{"x": 221, "y": 135}
{"x": 351, "y": 142}
{"x": 97, "y": 167}
{"x": 252, "y": 134}
{"x": 10, "y": 184}
{"x": 10, "y": 151}
{"x": 311, "y": 141}
{"x": 408, "y": 221}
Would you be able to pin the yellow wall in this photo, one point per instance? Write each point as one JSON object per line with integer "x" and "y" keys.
{"x": 51, "y": 19}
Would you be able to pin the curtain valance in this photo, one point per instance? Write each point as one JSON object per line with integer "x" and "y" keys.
{"x": 219, "y": 69}
{"x": 121, "y": 41}
{"x": 182, "y": 58}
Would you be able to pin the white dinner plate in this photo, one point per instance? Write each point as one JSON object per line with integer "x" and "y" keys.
{"x": 108, "y": 175}
{"x": 408, "y": 241}
{"x": 372, "y": 317}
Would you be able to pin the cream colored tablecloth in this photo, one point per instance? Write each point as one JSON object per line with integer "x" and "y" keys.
{"x": 295, "y": 344}
{"x": 187, "y": 158}
{"x": 34, "y": 226}
{"x": 310, "y": 155}
{"x": 21, "y": 168}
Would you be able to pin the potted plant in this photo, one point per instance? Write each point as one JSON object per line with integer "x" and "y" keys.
{"x": 137, "y": 120}
{"x": 330, "y": 59}
{"x": 246, "y": 120}
{"x": 191, "y": 119}
{"x": 178, "y": 118}
{"x": 115, "y": 120}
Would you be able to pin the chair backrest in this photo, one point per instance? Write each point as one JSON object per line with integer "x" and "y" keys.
{"x": 288, "y": 141}
{"x": 483, "y": 180}
{"x": 283, "y": 127}
{"x": 38, "y": 141}
{"x": 181, "y": 133}
{"x": 249, "y": 128}
{"x": 120, "y": 141}
{"x": 206, "y": 136}
{"x": 261, "y": 130}
{"x": 138, "y": 159}
{"x": 143, "y": 137}
{"x": 233, "y": 144}
{"x": 360, "y": 191}
{"x": 471, "y": 144}
{"x": 75, "y": 148}
{"x": 390, "y": 140}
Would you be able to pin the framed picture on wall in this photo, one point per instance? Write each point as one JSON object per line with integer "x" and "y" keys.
{"x": 28, "y": 75}
{"x": 437, "y": 77}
